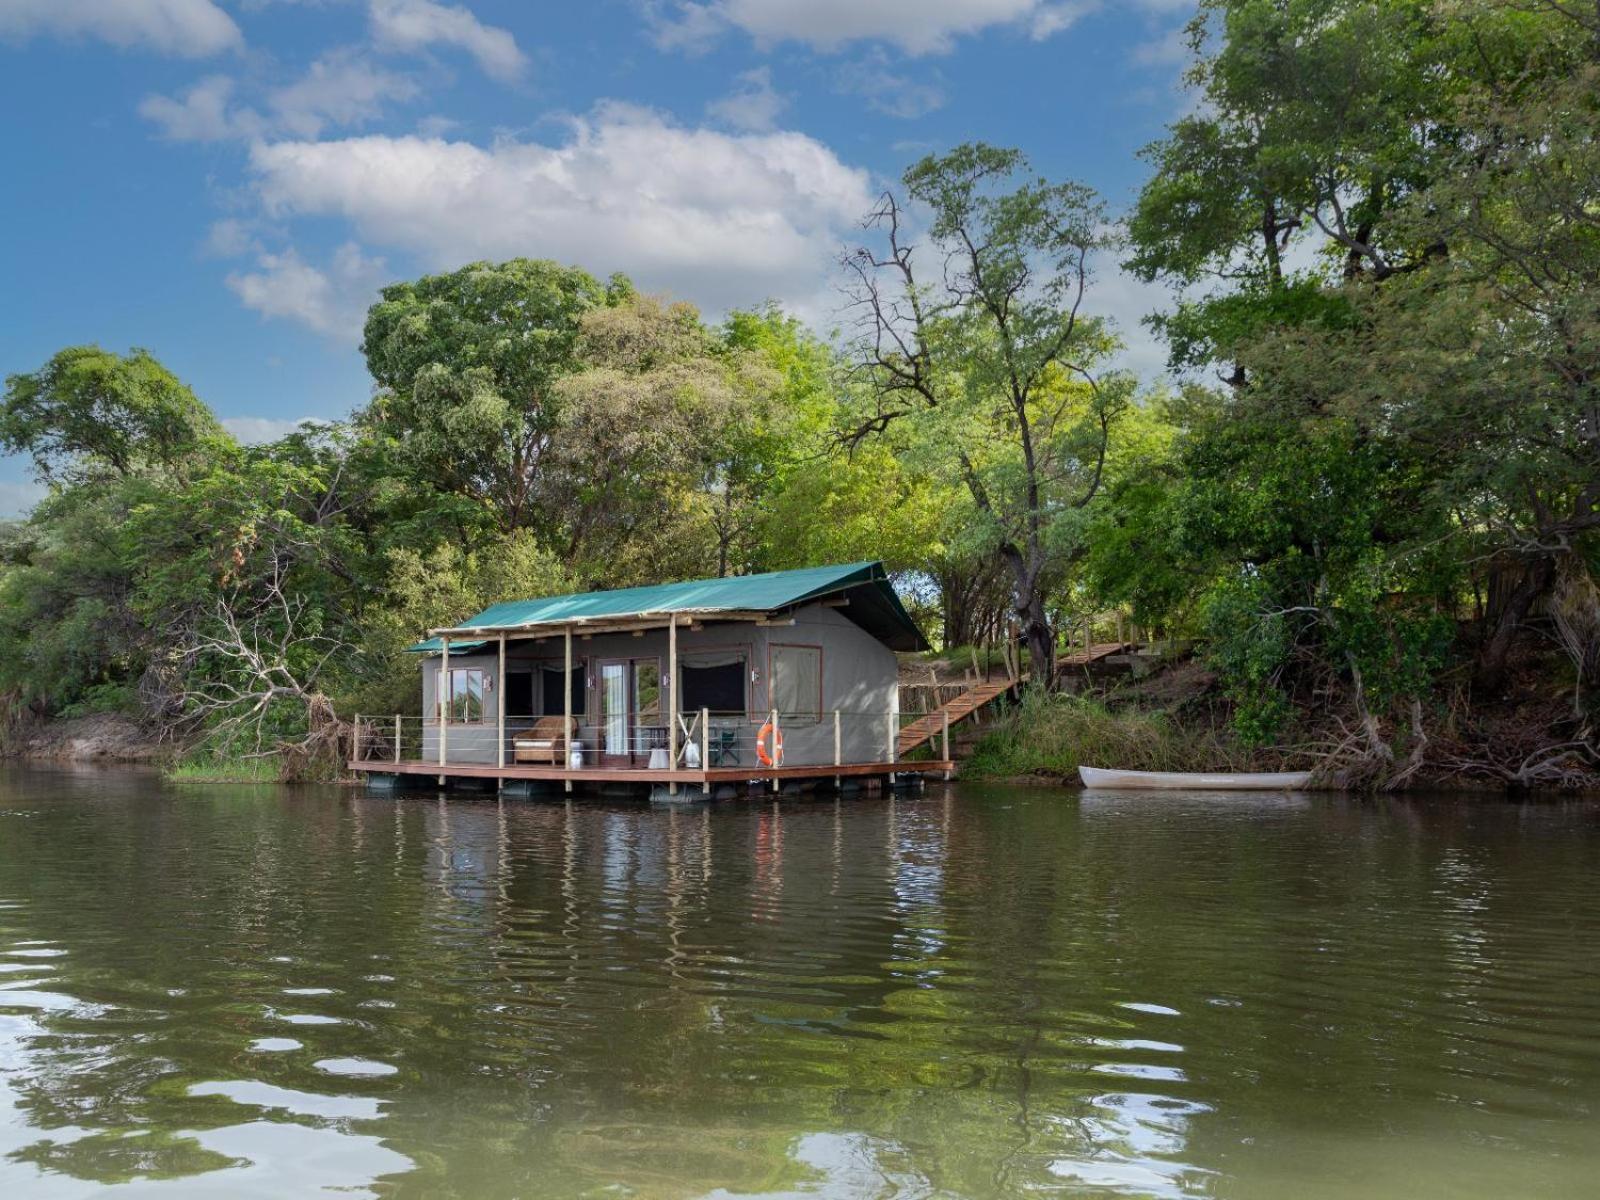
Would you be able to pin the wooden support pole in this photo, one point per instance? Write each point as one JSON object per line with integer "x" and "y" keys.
{"x": 777, "y": 757}
{"x": 397, "y": 731}
{"x": 566, "y": 687}
{"x": 838, "y": 748}
{"x": 444, "y": 697}
{"x": 894, "y": 741}
{"x": 944, "y": 748}
{"x": 672, "y": 702}
{"x": 355, "y": 740}
{"x": 500, "y": 708}
{"x": 705, "y": 749}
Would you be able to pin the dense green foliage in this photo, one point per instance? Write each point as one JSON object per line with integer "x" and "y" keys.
{"x": 1371, "y": 485}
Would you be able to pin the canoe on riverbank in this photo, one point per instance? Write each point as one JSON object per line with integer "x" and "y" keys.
{"x": 1099, "y": 777}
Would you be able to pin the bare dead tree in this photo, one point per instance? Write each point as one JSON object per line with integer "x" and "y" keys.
{"x": 1001, "y": 336}
{"x": 248, "y": 661}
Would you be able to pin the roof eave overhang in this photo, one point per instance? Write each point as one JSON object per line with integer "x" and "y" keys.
{"x": 605, "y": 624}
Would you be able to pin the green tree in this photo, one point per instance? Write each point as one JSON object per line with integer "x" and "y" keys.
{"x": 1411, "y": 410}
{"x": 468, "y": 365}
{"x": 90, "y": 410}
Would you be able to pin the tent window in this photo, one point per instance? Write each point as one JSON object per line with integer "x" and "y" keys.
{"x": 465, "y": 697}
{"x": 718, "y": 687}
{"x": 554, "y": 705}
{"x": 518, "y": 694}
{"x": 797, "y": 682}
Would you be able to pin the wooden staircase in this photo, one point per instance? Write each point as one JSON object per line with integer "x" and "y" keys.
{"x": 930, "y": 725}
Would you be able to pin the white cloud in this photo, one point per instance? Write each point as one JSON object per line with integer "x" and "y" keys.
{"x": 893, "y": 94}
{"x": 252, "y": 431}
{"x": 204, "y": 113}
{"x": 1168, "y": 49}
{"x": 721, "y": 218}
{"x": 753, "y": 104}
{"x": 333, "y": 300}
{"x": 1050, "y": 19}
{"x": 411, "y": 25}
{"x": 1127, "y": 301}
{"x": 916, "y": 26}
{"x": 190, "y": 28}
{"x": 437, "y": 126}
{"x": 340, "y": 88}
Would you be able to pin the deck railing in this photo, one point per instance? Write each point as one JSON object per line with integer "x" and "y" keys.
{"x": 704, "y": 738}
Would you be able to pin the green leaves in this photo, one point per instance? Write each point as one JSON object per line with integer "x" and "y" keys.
{"x": 468, "y": 364}
{"x": 89, "y": 412}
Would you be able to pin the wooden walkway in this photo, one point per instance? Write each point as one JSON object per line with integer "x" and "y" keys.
{"x": 1096, "y": 652}
{"x": 929, "y": 726}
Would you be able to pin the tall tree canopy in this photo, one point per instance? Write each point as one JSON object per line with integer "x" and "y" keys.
{"x": 1383, "y": 220}
{"x": 468, "y": 365}
{"x": 91, "y": 411}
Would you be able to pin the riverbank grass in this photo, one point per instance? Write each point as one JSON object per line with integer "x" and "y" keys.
{"x": 223, "y": 768}
{"x": 1053, "y": 735}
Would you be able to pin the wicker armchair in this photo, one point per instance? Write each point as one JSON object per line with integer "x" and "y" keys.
{"x": 546, "y": 742}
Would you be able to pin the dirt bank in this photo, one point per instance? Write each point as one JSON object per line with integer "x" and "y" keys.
{"x": 104, "y": 737}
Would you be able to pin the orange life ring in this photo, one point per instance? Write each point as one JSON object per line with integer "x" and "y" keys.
{"x": 775, "y": 757}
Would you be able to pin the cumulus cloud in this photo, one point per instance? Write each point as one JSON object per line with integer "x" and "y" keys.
{"x": 753, "y": 104}
{"x": 412, "y": 25}
{"x": 204, "y": 113}
{"x": 916, "y": 26}
{"x": 722, "y": 218}
{"x": 332, "y": 300}
{"x": 189, "y": 28}
{"x": 339, "y": 89}
{"x": 1127, "y": 300}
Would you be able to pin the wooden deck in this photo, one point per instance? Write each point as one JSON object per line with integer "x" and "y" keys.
{"x": 695, "y": 777}
{"x": 1094, "y": 654}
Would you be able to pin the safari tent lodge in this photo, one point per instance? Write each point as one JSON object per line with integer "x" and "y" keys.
{"x": 788, "y": 678}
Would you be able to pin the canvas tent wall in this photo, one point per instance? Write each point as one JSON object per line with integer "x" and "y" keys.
{"x": 821, "y": 663}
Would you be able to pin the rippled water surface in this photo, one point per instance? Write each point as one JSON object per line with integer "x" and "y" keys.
{"x": 973, "y": 992}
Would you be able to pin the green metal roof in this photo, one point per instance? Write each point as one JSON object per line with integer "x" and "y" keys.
{"x": 873, "y": 603}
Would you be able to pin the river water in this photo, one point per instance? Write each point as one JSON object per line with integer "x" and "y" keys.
{"x": 970, "y": 992}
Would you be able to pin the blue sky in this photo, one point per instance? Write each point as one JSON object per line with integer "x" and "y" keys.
{"x": 227, "y": 182}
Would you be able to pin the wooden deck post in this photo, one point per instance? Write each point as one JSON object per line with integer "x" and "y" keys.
{"x": 566, "y": 688}
{"x": 355, "y": 740}
{"x": 894, "y": 741}
{"x": 500, "y": 709}
{"x": 397, "y": 729}
{"x": 944, "y": 748}
{"x": 672, "y": 702}
{"x": 705, "y": 750}
{"x": 838, "y": 750}
{"x": 777, "y": 758}
{"x": 443, "y": 697}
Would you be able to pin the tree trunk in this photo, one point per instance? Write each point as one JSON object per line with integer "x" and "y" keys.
{"x": 1509, "y": 617}
{"x": 1040, "y": 639}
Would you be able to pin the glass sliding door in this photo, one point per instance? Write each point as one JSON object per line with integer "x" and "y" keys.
{"x": 614, "y": 708}
{"x": 631, "y": 719}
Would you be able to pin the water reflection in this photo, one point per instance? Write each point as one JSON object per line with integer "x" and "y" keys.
{"x": 972, "y": 994}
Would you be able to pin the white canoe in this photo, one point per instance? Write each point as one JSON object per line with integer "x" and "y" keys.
{"x": 1262, "y": 781}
